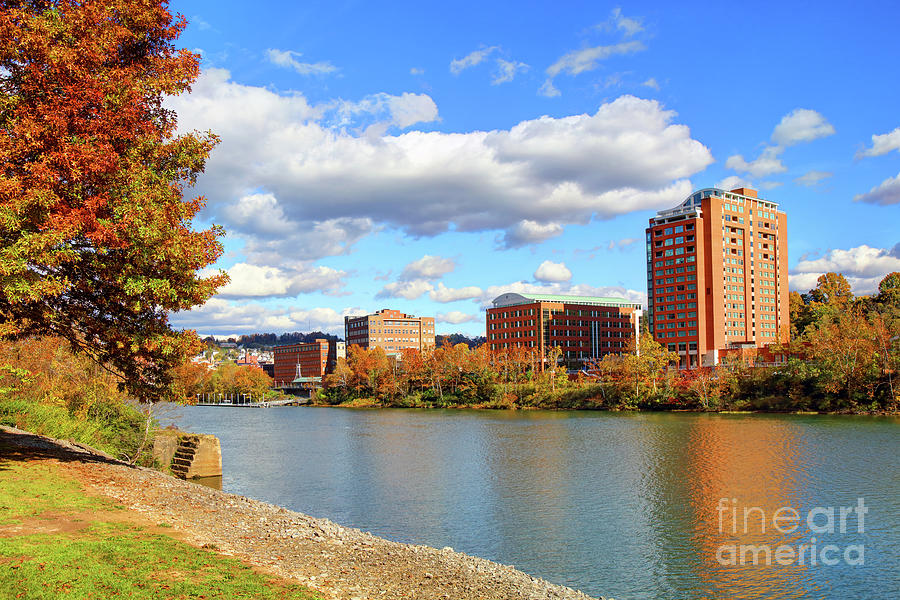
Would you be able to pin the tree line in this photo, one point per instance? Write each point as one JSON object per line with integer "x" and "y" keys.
{"x": 843, "y": 356}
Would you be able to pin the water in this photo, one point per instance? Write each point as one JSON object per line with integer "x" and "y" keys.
{"x": 622, "y": 505}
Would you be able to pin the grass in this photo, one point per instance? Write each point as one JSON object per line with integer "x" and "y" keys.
{"x": 108, "y": 425}
{"x": 100, "y": 558}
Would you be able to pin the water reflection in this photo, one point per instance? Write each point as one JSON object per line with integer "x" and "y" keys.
{"x": 622, "y": 505}
{"x": 739, "y": 474}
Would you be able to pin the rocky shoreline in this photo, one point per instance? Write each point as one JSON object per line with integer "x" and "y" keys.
{"x": 338, "y": 562}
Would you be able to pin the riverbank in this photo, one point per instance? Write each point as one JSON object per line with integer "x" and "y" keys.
{"x": 592, "y": 404}
{"x": 336, "y": 562}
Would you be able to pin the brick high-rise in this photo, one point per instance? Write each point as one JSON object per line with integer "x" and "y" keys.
{"x": 717, "y": 274}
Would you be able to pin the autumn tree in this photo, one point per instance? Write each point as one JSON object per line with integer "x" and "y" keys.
{"x": 96, "y": 242}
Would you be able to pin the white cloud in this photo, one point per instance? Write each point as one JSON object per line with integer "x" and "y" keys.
{"x": 456, "y": 317}
{"x": 651, "y": 83}
{"x": 811, "y": 178}
{"x": 587, "y": 59}
{"x": 428, "y": 267}
{"x": 621, "y": 244}
{"x": 882, "y": 144}
{"x": 402, "y": 111}
{"x": 416, "y": 71}
{"x": 801, "y": 125}
{"x": 733, "y": 182}
{"x": 248, "y": 281}
{"x": 327, "y": 187}
{"x": 444, "y": 294}
{"x": 218, "y": 315}
{"x": 548, "y": 89}
{"x": 470, "y": 60}
{"x": 405, "y": 289}
{"x": 201, "y": 24}
{"x": 768, "y": 163}
{"x": 507, "y": 70}
{"x": 552, "y": 272}
{"x": 288, "y": 59}
{"x": 628, "y": 26}
{"x": 885, "y": 194}
{"x": 529, "y": 232}
{"x": 863, "y": 267}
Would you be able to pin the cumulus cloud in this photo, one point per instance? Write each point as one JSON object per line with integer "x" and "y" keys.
{"x": 885, "y": 194}
{"x": 328, "y": 186}
{"x": 588, "y": 59}
{"x": 882, "y": 144}
{"x": 401, "y": 111}
{"x": 734, "y": 181}
{"x": 552, "y": 272}
{"x": 507, "y": 71}
{"x": 219, "y": 315}
{"x": 405, "y": 289}
{"x": 798, "y": 126}
{"x": 428, "y": 267}
{"x": 472, "y": 59}
{"x": 811, "y": 178}
{"x": 442, "y": 293}
{"x": 863, "y": 266}
{"x": 801, "y": 125}
{"x": 529, "y": 232}
{"x": 248, "y": 281}
{"x": 288, "y": 59}
{"x": 651, "y": 83}
{"x": 456, "y": 317}
{"x": 767, "y": 163}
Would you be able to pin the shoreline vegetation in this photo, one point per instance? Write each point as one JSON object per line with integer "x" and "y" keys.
{"x": 844, "y": 357}
{"x": 137, "y": 532}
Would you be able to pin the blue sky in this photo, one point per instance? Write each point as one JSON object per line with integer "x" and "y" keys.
{"x": 429, "y": 156}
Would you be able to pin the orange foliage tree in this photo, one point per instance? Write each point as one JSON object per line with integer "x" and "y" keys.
{"x": 97, "y": 243}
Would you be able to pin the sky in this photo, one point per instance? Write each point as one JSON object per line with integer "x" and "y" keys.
{"x": 427, "y": 157}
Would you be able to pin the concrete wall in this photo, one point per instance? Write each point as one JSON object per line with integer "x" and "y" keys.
{"x": 196, "y": 455}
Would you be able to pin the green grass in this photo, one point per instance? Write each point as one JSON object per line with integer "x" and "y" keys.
{"x": 109, "y": 425}
{"x": 102, "y": 559}
{"x": 31, "y": 489}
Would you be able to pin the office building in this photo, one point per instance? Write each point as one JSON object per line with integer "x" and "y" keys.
{"x": 583, "y": 327}
{"x": 717, "y": 275}
{"x": 390, "y": 330}
{"x": 306, "y": 360}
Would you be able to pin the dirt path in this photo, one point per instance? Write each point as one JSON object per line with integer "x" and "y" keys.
{"x": 338, "y": 562}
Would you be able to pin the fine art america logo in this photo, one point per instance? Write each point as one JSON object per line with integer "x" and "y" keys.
{"x": 736, "y": 520}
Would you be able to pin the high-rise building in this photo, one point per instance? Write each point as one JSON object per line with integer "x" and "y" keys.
{"x": 583, "y": 327}
{"x": 717, "y": 274}
{"x": 391, "y": 330}
{"x": 306, "y": 360}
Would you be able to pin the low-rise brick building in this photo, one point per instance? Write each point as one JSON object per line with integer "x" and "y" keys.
{"x": 307, "y": 359}
{"x": 583, "y": 327}
{"x": 390, "y": 330}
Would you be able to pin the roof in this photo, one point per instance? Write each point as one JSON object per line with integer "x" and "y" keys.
{"x": 513, "y": 298}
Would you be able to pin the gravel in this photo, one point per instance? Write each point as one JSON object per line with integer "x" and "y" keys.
{"x": 338, "y": 562}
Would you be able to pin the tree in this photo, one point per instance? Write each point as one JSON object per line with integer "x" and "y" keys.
{"x": 889, "y": 291}
{"x": 96, "y": 242}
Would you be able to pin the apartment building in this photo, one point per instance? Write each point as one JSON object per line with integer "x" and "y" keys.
{"x": 583, "y": 327}
{"x": 717, "y": 274}
{"x": 390, "y": 330}
{"x": 309, "y": 359}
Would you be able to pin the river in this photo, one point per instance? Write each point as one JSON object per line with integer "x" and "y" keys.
{"x": 630, "y": 505}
